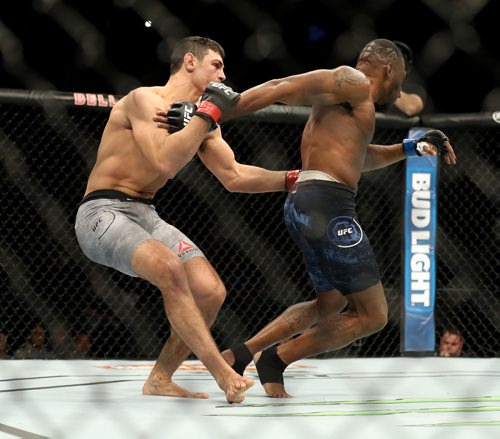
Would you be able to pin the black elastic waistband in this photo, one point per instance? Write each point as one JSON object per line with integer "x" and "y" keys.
{"x": 326, "y": 184}
{"x": 114, "y": 195}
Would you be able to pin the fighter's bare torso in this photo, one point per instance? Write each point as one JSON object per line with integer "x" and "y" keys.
{"x": 335, "y": 140}
{"x": 339, "y": 130}
{"x": 120, "y": 163}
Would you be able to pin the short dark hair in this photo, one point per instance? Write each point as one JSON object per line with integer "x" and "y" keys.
{"x": 198, "y": 46}
{"x": 453, "y": 330}
{"x": 407, "y": 54}
{"x": 380, "y": 50}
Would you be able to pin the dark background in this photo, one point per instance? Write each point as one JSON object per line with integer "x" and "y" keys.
{"x": 105, "y": 47}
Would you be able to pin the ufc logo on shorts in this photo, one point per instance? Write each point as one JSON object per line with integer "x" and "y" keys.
{"x": 343, "y": 232}
{"x": 94, "y": 227}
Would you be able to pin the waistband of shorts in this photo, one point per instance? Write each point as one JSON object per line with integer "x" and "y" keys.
{"x": 328, "y": 184}
{"x": 315, "y": 175}
{"x": 112, "y": 194}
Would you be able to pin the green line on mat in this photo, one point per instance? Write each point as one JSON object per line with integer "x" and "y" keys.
{"x": 367, "y": 412}
{"x": 372, "y": 402}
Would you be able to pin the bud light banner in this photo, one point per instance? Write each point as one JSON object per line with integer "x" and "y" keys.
{"x": 419, "y": 256}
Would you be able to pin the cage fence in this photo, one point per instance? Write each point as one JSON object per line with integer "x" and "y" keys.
{"x": 50, "y": 289}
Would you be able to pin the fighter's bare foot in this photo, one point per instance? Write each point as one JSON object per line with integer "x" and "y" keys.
{"x": 276, "y": 390}
{"x": 161, "y": 386}
{"x": 270, "y": 369}
{"x": 236, "y": 387}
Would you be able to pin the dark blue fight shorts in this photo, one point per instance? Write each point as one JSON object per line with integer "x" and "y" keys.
{"x": 321, "y": 217}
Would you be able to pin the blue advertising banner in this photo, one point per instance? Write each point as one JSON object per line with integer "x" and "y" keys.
{"x": 419, "y": 256}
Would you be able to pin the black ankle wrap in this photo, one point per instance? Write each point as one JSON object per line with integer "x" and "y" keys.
{"x": 242, "y": 357}
{"x": 270, "y": 366}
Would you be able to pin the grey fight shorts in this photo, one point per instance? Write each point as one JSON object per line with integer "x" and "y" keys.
{"x": 110, "y": 225}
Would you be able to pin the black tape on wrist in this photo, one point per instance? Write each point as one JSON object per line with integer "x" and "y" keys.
{"x": 242, "y": 357}
{"x": 270, "y": 366}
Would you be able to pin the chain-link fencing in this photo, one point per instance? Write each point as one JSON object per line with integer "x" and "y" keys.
{"x": 48, "y": 147}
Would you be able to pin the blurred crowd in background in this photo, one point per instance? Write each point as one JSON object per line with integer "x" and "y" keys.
{"x": 117, "y": 45}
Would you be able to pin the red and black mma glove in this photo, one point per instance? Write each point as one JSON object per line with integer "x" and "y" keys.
{"x": 436, "y": 138}
{"x": 291, "y": 178}
{"x": 216, "y": 99}
{"x": 179, "y": 115}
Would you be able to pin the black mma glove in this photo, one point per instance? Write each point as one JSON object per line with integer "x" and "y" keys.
{"x": 216, "y": 99}
{"x": 436, "y": 138}
{"x": 179, "y": 115}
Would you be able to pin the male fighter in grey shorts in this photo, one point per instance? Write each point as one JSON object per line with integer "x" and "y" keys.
{"x": 117, "y": 224}
{"x": 111, "y": 225}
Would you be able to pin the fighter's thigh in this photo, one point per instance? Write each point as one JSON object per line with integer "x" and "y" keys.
{"x": 155, "y": 262}
{"x": 175, "y": 240}
{"x": 370, "y": 303}
{"x": 330, "y": 303}
{"x": 109, "y": 237}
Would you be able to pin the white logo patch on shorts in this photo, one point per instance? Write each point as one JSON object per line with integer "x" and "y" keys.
{"x": 344, "y": 232}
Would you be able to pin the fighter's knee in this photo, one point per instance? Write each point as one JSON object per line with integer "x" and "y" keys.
{"x": 220, "y": 293}
{"x": 375, "y": 322}
{"x": 380, "y": 322}
{"x": 214, "y": 293}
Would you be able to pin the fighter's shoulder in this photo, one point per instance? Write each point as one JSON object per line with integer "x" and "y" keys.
{"x": 141, "y": 93}
{"x": 142, "y": 98}
{"x": 351, "y": 85}
{"x": 350, "y": 75}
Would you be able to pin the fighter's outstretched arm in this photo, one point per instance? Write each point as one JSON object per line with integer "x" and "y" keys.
{"x": 323, "y": 87}
{"x": 219, "y": 158}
